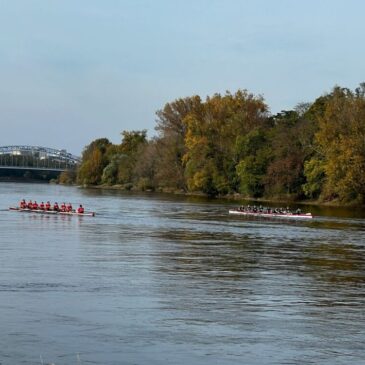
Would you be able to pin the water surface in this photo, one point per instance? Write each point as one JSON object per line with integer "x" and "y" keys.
{"x": 158, "y": 279}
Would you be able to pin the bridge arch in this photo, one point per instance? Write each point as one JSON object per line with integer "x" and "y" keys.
{"x": 36, "y": 158}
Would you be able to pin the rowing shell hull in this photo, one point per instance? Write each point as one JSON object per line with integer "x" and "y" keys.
{"x": 271, "y": 215}
{"x": 52, "y": 212}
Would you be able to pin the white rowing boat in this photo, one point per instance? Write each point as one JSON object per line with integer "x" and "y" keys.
{"x": 52, "y": 212}
{"x": 271, "y": 215}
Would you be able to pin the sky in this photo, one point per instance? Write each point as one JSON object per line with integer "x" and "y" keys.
{"x": 73, "y": 71}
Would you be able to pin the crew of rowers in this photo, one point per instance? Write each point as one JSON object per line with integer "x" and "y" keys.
{"x": 55, "y": 207}
{"x": 266, "y": 210}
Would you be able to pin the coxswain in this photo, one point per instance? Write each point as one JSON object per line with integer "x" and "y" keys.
{"x": 69, "y": 207}
{"x": 35, "y": 205}
{"x": 63, "y": 207}
{"x": 48, "y": 206}
{"x": 80, "y": 209}
{"x": 23, "y": 204}
{"x": 41, "y": 206}
{"x": 30, "y": 205}
{"x": 56, "y": 207}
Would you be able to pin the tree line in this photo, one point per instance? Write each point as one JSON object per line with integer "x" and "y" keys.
{"x": 231, "y": 144}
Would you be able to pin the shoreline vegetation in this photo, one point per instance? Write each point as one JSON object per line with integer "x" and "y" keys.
{"x": 233, "y": 197}
{"x": 230, "y": 146}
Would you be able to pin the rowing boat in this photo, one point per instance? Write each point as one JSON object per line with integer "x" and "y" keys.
{"x": 271, "y": 215}
{"x": 52, "y": 212}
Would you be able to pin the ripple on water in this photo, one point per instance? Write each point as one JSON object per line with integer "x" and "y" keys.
{"x": 155, "y": 279}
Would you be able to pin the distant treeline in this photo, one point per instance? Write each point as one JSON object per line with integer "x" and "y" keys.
{"x": 231, "y": 144}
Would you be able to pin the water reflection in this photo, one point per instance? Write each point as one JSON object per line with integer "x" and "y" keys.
{"x": 340, "y": 264}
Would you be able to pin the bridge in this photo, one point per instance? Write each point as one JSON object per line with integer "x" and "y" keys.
{"x": 36, "y": 158}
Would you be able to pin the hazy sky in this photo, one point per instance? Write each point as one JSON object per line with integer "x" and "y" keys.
{"x": 75, "y": 70}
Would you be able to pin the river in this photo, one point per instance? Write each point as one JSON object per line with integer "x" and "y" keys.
{"x": 162, "y": 279}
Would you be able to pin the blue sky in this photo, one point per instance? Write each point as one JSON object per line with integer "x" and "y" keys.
{"x": 72, "y": 71}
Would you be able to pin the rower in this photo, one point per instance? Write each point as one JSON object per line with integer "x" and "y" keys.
{"x": 56, "y": 207}
{"x": 30, "y": 205}
{"x": 48, "y": 206}
{"x": 80, "y": 209}
{"x": 69, "y": 207}
{"x": 41, "y": 206}
{"x": 35, "y": 205}
{"x": 63, "y": 207}
{"x": 23, "y": 204}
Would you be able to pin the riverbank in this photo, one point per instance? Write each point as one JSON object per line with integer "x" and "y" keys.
{"x": 234, "y": 197}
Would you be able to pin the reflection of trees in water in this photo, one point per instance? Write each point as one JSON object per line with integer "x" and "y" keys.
{"x": 218, "y": 255}
{"x": 336, "y": 263}
{"x": 227, "y": 255}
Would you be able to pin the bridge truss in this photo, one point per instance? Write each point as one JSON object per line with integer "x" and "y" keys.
{"x": 36, "y": 158}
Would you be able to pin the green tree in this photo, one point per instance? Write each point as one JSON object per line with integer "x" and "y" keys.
{"x": 255, "y": 156}
{"x": 94, "y": 160}
{"x": 124, "y": 158}
{"x": 315, "y": 174}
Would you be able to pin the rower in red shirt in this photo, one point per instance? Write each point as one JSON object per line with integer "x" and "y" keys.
{"x": 56, "y": 208}
{"x": 41, "y": 206}
{"x": 30, "y": 205}
{"x": 80, "y": 209}
{"x": 35, "y": 205}
{"x": 23, "y": 204}
{"x": 69, "y": 207}
{"x": 63, "y": 207}
{"x": 48, "y": 206}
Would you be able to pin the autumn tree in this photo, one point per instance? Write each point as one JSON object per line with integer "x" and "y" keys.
{"x": 211, "y": 140}
{"x": 94, "y": 160}
{"x": 170, "y": 144}
{"x": 68, "y": 177}
{"x": 229, "y": 143}
{"x": 341, "y": 146}
{"x": 146, "y": 167}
